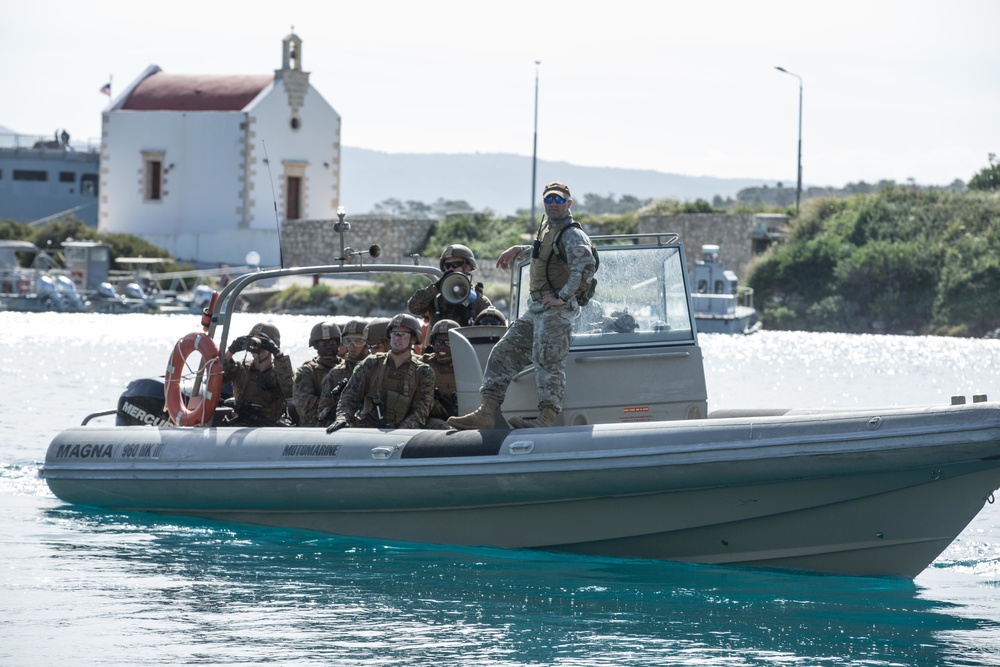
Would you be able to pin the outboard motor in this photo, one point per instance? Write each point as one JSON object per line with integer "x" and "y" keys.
{"x": 202, "y": 297}
{"x": 67, "y": 289}
{"x": 134, "y": 291}
{"x": 143, "y": 403}
{"x": 107, "y": 291}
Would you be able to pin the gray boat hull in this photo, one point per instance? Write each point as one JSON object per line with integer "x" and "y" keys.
{"x": 849, "y": 493}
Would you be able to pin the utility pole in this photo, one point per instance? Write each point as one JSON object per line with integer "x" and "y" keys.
{"x": 534, "y": 150}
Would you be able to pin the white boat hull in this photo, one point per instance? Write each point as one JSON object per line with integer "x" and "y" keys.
{"x": 848, "y": 493}
{"x": 741, "y": 320}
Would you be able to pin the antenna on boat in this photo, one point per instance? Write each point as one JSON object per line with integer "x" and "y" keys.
{"x": 274, "y": 200}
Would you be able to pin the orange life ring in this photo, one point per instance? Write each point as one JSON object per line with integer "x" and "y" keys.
{"x": 199, "y": 409}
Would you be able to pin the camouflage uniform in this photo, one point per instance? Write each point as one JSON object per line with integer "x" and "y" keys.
{"x": 424, "y": 303}
{"x": 308, "y": 388}
{"x": 542, "y": 335}
{"x": 405, "y": 394}
{"x": 330, "y": 389}
{"x": 268, "y": 389}
{"x": 444, "y": 384}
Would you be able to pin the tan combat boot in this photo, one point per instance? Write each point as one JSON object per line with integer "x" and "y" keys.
{"x": 483, "y": 417}
{"x": 546, "y": 417}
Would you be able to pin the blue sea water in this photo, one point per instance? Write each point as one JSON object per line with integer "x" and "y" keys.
{"x": 113, "y": 588}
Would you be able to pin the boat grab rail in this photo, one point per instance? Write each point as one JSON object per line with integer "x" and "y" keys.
{"x": 228, "y": 297}
{"x": 610, "y": 357}
{"x": 662, "y": 238}
{"x": 619, "y": 357}
{"x": 95, "y": 415}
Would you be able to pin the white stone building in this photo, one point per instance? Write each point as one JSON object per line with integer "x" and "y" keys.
{"x": 197, "y": 164}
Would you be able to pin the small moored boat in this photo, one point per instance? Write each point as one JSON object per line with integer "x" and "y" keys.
{"x": 720, "y": 304}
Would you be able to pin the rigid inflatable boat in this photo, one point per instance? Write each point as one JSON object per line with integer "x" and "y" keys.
{"x": 636, "y": 466}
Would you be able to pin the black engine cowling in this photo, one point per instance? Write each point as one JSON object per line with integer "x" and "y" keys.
{"x": 142, "y": 404}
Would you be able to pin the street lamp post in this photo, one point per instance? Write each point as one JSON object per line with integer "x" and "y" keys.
{"x": 798, "y": 185}
{"x": 534, "y": 150}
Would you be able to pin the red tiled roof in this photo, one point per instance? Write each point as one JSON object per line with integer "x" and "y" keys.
{"x": 196, "y": 92}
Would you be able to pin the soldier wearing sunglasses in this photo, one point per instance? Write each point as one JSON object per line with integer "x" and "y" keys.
{"x": 429, "y": 303}
{"x": 562, "y": 267}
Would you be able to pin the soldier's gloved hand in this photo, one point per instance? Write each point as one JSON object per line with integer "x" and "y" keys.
{"x": 336, "y": 426}
{"x": 238, "y": 345}
{"x": 269, "y": 345}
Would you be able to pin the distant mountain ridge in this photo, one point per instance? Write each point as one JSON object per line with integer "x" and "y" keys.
{"x": 501, "y": 182}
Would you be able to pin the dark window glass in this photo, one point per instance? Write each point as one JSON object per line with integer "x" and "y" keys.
{"x": 293, "y": 209}
{"x": 30, "y": 175}
{"x": 67, "y": 177}
{"x": 88, "y": 184}
{"x": 155, "y": 174}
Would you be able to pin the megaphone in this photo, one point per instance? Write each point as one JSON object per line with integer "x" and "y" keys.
{"x": 455, "y": 287}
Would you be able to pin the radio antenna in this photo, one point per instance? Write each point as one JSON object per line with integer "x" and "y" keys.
{"x": 274, "y": 200}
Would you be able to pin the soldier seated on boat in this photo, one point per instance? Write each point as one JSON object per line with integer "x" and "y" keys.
{"x": 308, "y": 387}
{"x": 353, "y": 349}
{"x": 490, "y": 316}
{"x": 438, "y": 357}
{"x": 461, "y": 301}
{"x": 262, "y": 384}
{"x": 376, "y": 335}
{"x": 392, "y": 390}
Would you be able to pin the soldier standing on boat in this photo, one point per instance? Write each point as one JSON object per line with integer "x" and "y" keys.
{"x": 445, "y": 390}
{"x": 393, "y": 390}
{"x": 562, "y": 267}
{"x": 308, "y": 387}
{"x": 353, "y": 350}
{"x": 463, "y": 303}
{"x": 262, "y": 384}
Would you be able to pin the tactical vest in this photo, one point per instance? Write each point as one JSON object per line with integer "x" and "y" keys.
{"x": 444, "y": 374}
{"x": 396, "y": 388}
{"x": 549, "y": 269}
{"x": 558, "y": 271}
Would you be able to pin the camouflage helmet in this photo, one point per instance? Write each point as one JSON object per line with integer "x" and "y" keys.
{"x": 461, "y": 252}
{"x": 354, "y": 328}
{"x": 490, "y": 315}
{"x": 406, "y": 321}
{"x": 267, "y": 329}
{"x": 324, "y": 331}
{"x": 442, "y": 327}
{"x": 377, "y": 330}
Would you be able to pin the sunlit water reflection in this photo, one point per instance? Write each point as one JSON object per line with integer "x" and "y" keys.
{"x": 114, "y": 588}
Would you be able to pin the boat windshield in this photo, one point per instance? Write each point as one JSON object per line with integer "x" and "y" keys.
{"x": 641, "y": 298}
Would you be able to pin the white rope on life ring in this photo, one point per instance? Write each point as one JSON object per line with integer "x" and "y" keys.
{"x": 199, "y": 409}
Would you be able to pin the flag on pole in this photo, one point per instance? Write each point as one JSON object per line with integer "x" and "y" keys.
{"x": 106, "y": 89}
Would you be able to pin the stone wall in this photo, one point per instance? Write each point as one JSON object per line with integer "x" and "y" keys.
{"x": 314, "y": 242}
{"x": 740, "y": 237}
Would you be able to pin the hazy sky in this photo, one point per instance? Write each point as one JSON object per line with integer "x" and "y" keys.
{"x": 892, "y": 90}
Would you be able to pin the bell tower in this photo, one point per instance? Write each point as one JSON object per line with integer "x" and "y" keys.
{"x": 291, "y": 53}
{"x": 296, "y": 81}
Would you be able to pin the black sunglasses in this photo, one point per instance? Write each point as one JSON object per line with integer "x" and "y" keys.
{"x": 454, "y": 265}
{"x": 555, "y": 199}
